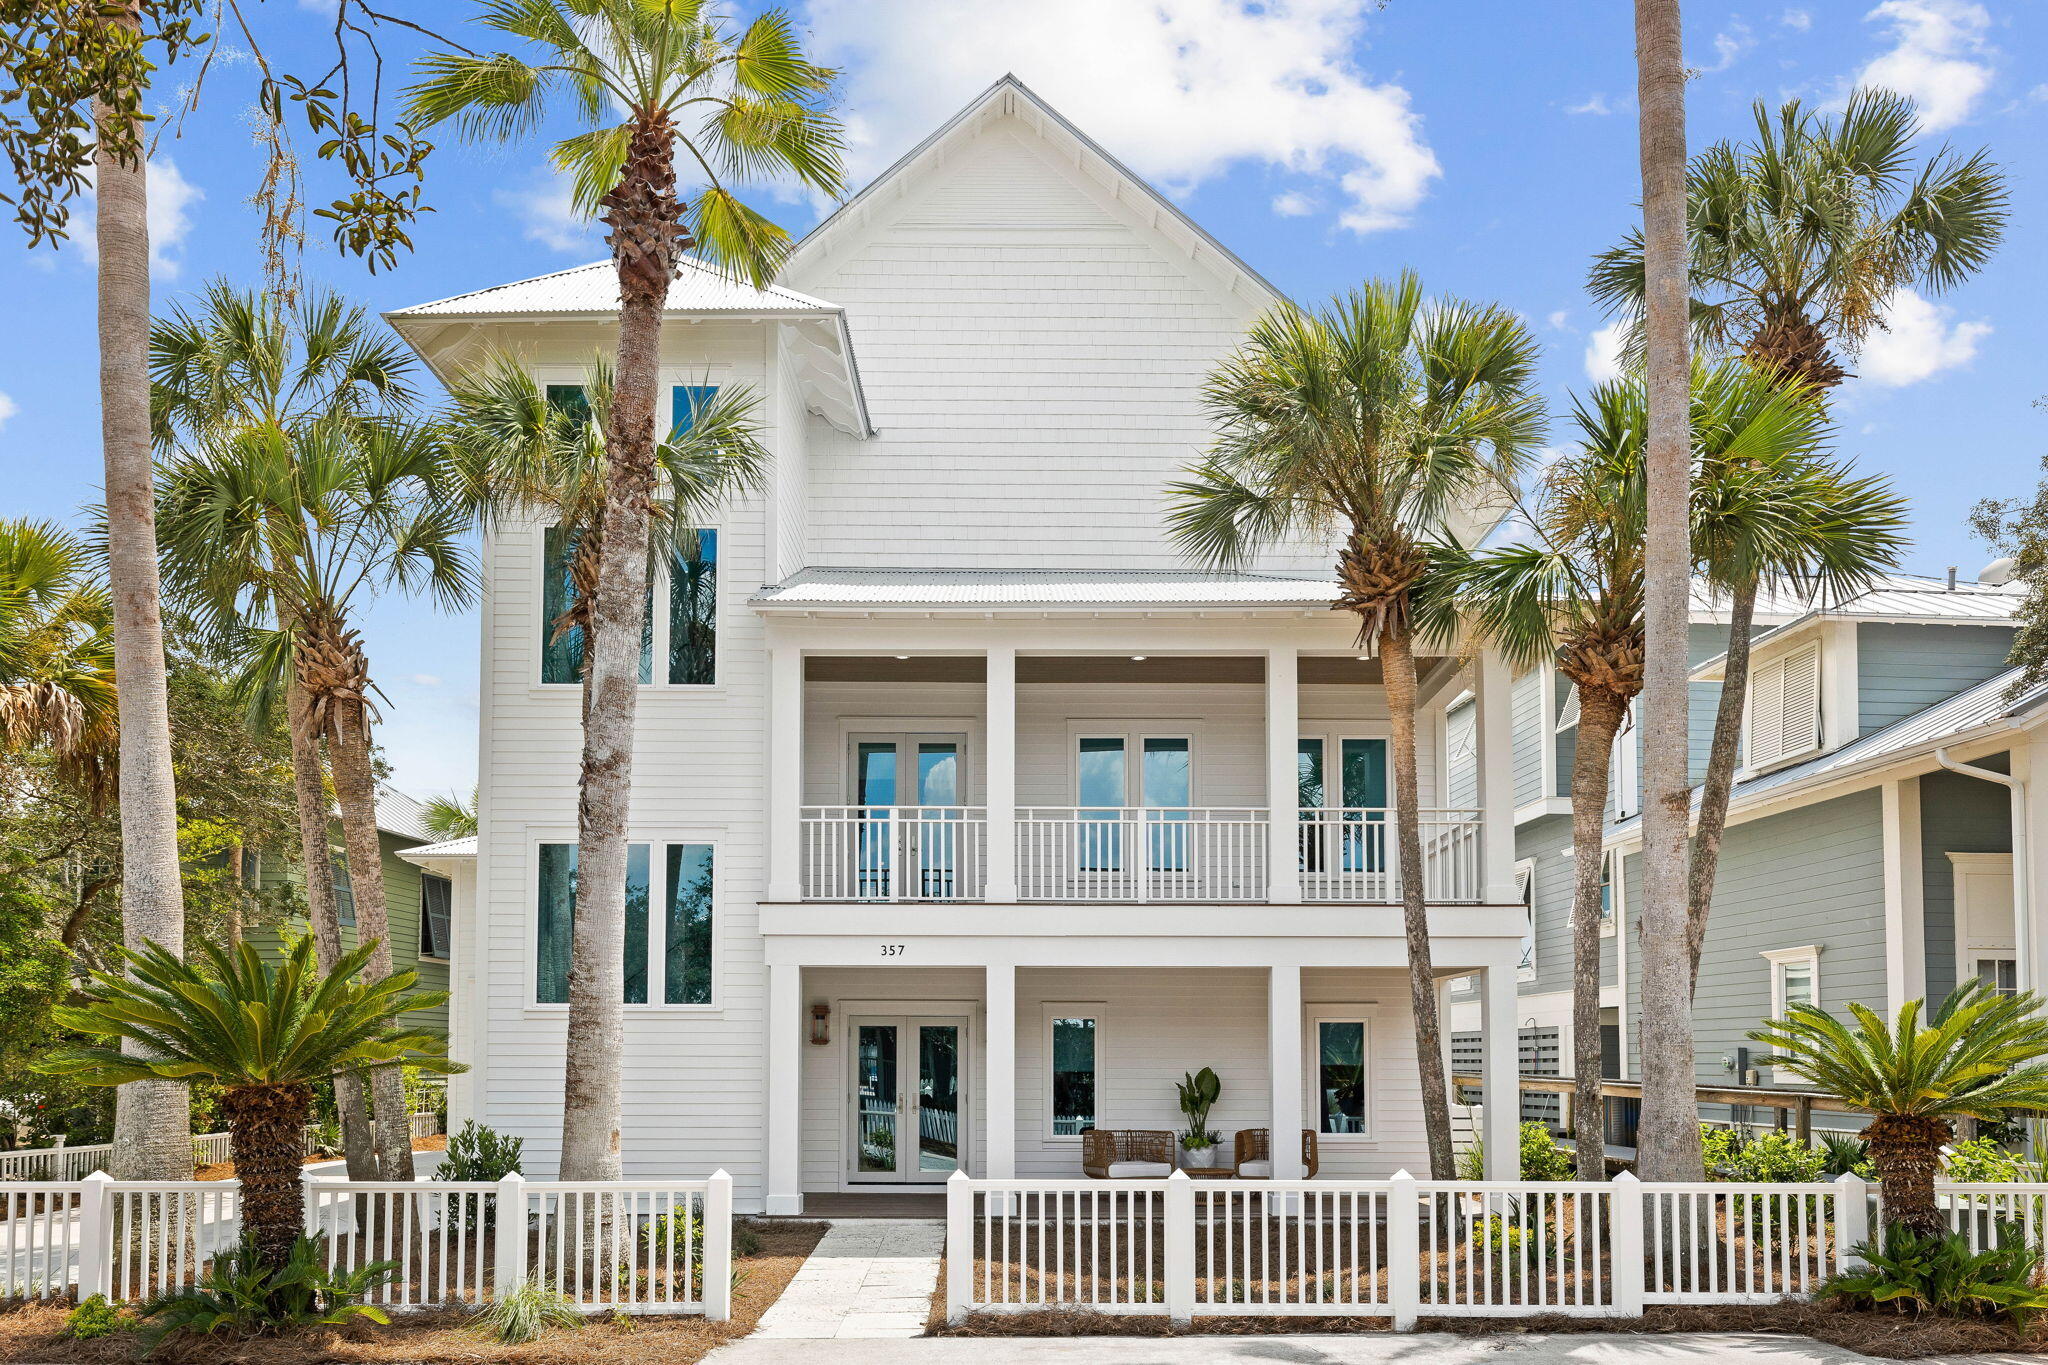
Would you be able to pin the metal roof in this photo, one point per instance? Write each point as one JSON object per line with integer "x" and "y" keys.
{"x": 399, "y": 814}
{"x": 840, "y": 587}
{"x": 1983, "y": 705}
{"x": 454, "y": 848}
{"x": 594, "y": 288}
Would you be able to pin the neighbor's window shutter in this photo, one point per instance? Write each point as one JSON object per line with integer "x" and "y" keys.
{"x": 1784, "y": 707}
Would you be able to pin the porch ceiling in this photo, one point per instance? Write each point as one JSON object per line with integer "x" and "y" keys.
{"x": 1150, "y": 670}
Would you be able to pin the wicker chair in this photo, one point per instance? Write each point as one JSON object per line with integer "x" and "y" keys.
{"x": 1104, "y": 1150}
{"x": 1255, "y": 1145}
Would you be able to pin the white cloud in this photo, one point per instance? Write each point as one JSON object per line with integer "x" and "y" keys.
{"x": 425, "y": 680}
{"x": 1595, "y": 103}
{"x": 1939, "y": 57}
{"x": 1293, "y": 205}
{"x": 1603, "y": 352}
{"x": 1919, "y": 341}
{"x": 1181, "y": 90}
{"x": 1558, "y": 319}
{"x": 544, "y": 210}
{"x": 8, "y": 408}
{"x": 171, "y": 197}
{"x": 1798, "y": 20}
{"x": 1730, "y": 44}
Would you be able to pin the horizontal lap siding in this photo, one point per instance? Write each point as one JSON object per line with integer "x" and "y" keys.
{"x": 1958, "y": 814}
{"x": 1901, "y": 669}
{"x": 693, "y": 1089}
{"x": 1527, "y": 726}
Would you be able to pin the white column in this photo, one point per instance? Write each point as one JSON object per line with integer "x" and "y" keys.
{"x": 785, "y": 1088}
{"x": 1500, "y": 1069}
{"x": 1283, "y": 782}
{"x": 785, "y": 771}
{"x": 1493, "y": 732}
{"x": 1001, "y": 1083}
{"x": 1283, "y": 1045}
{"x": 1905, "y": 928}
{"x": 1001, "y": 797}
{"x": 2030, "y": 860}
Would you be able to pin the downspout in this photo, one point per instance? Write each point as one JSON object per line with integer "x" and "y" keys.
{"x": 2022, "y": 920}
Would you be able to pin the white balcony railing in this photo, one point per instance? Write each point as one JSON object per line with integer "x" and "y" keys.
{"x": 1132, "y": 853}
{"x": 1351, "y": 855}
{"x": 1128, "y": 854}
{"x": 893, "y": 853}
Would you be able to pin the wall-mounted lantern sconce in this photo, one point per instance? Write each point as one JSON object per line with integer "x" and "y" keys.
{"x": 821, "y": 1013}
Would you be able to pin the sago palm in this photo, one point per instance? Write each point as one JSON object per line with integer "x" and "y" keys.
{"x": 657, "y": 79}
{"x": 1979, "y": 1053}
{"x": 266, "y": 1033}
{"x": 56, "y": 654}
{"x": 238, "y": 366}
{"x": 279, "y": 535}
{"x": 1800, "y": 235}
{"x": 1370, "y": 423}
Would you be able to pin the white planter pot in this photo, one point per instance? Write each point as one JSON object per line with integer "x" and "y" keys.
{"x": 1202, "y": 1159}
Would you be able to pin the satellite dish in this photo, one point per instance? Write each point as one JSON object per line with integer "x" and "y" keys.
{"x": 1999, "y": 571}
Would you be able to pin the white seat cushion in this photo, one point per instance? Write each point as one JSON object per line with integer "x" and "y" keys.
{"x": 1255, "y": 1170}
{"x": 1139, "y": 1170}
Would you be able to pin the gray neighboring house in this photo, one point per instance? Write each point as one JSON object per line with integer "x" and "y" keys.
{"x": 1883, "y": 786}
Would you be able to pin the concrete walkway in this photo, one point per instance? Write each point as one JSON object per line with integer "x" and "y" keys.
{"x": 1420, "y": 1349}
{"x": 869, "y": 1277}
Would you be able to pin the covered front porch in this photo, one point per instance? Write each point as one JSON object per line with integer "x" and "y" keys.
{"x": 884, "y": 1080}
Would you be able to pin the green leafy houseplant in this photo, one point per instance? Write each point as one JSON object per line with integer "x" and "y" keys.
{"x": 244, "y": 1294}
{"x": 1916, "y": 1272}
{"x": 1198, "y": 1094}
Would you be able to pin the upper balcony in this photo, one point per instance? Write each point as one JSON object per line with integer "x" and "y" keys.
{"x": 1057, "y": 776}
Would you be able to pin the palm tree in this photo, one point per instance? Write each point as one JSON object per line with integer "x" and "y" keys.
{"x": 1370, "y": 421}
{"x": 1669, "y": 1129}
{"x": 1799, "y": 238}
{"x": 56, "y": 654}
{"x": 277, "y": 532}
{"x": 1767, "y": 498}
{"x": 450, "y": 817}
{"x": 1978, "y": 1054}
{"x": 241, "y": 364}
{"x": 742, "y": 105}
{"x": 267, "y": 1033}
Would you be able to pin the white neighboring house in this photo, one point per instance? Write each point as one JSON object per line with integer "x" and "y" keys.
{"x": 965, "y": 816}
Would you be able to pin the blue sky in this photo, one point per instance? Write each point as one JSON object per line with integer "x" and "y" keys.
{"x": 1488, "y": 144}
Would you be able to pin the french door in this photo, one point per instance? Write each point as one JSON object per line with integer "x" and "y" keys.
{"x": 1344, "y": 814}
{"x": 909, "y": 1099}
{"x": 907, "y": 791}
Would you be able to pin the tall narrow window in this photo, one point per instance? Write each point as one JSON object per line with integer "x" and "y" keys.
{"x": 636, "y": 924}
{"x": 561, "y": 652}
{"x": 685, "y": 401}
{"x": 1100, "y": 787}
{"x": 693, "y": 610}
{"x": 436, "y": 896}
{"x": 1073, "y": 1075}
{"x": 687, "y": 950}
{"x": 1168, "y": 783}
{"x": 557, "y": 922}
{"x": 1340, "y": 1075}
{"x": 344, "y": 889}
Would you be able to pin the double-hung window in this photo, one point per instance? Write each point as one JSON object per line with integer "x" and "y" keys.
{"x": 684, "y": 636}
{"x": 1795, "y": 977}
{"x": 668, "y": 945}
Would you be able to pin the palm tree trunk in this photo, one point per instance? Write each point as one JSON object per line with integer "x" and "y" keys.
{"x": 264, "y": 1127}
{"x": 1668, "y": 1144}
{"x": 1906, "y": 1151}
{"x": 1600, "y": 713}
{"x": 152, "y": 1119}
{"x": 1397, "y": 672}
{"x": 355, "y": 790}
{"x": 310, "y": 790}
{"x": 1720, "y": 779}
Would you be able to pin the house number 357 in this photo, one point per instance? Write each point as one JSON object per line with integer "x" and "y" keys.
{"x": 892, "y": 950}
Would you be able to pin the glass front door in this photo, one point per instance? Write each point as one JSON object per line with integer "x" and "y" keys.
{"x": 909, "y": 1109}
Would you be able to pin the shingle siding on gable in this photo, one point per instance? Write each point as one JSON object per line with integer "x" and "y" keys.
{"x": 1031, "y": 359}
{"x": 1812, "y": 875}
{"x": 1901, "y": 669}
{"x": 1958, "y": 814}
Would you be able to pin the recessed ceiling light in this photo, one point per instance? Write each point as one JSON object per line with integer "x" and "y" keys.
{"x": 902, "y": 656}
{"x": 1365, "y": 658}
{"x": 1139, "y": 658}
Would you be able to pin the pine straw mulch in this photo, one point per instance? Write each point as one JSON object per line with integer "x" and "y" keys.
{"x": 225, "y": 1170}
{"x": 35, "y": 1332}
{"x": 1890, "y": 1336}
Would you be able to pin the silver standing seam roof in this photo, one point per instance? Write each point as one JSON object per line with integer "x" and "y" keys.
{"x": 594, "y": 288}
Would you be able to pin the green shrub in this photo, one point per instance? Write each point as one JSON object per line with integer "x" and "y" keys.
{"x": 527, "y": 1313}
{"x": 1844, "y": 1155}
{"x": 480, "y": 1153}
{"x": 1776, "y": 1158}
{"x": 1542, "y": 1158}
{"x": 1982, "y": 1159}
{"x": 1939, "y": 1274}
{"x": 94, "y": 1318}
{"x": 241, "y": 1296}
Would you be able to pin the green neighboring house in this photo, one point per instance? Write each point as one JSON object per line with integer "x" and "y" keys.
{"x": 416, "y": 901}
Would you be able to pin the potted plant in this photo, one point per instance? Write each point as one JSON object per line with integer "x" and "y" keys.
{"x": 1198, "y": 1092}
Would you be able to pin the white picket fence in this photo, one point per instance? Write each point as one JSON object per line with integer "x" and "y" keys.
{"x": 64, "y": 1162}
{"x": 611, "y": 1246}
{"x": 1398, "y": 1248}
